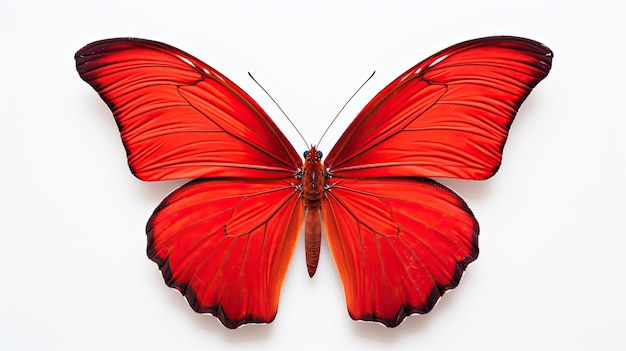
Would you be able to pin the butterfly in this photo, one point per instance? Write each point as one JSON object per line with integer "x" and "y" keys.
{"x": 398, "y": 238}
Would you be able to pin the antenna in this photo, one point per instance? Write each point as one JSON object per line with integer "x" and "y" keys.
{"x": 344, "y": 106}
{"x": 281, "y": 110}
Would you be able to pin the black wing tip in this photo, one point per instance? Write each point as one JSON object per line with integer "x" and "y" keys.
{"x": 512, "y": 39}
{"x": 104, "y": 46}
{"x": 542, "y": 52}
{"x": 101, "y": 45}
{"x": 98, "y": 48}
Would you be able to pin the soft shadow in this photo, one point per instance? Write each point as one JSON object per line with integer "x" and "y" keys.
{"x": 376, "y": 332}
{"x": 468, "y": 189}
{"x": 155, "y": 192}
{"x": 246, "y": 334}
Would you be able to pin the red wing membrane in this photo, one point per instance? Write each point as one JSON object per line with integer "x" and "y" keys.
{"x": 226, "y": 245}
{"x": 398, "y": 244}
{"x": 448, "y": 116}
{"x": 180, "y": 118}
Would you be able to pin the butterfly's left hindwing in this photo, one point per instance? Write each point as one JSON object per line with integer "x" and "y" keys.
{"x": 226, "y": 245}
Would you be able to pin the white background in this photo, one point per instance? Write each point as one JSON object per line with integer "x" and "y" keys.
{"x": 74, "y": 271}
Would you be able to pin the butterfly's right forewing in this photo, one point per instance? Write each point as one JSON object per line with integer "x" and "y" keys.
{"x": 448, "y": 116}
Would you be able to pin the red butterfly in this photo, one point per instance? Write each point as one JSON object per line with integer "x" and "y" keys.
{"x": 399, "y": 240}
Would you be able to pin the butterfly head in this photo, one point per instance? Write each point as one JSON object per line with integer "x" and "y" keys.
{"x": 313, "y": 155}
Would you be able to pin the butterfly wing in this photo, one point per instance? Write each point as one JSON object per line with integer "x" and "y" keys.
{"x": 400, "y": 240}
{"x": 227, "y": 251}
{"x": 224, "y": 241}
{"x": 179, "y": 117}
{"x": 398, "y": 244}
{"x": 448, "y": 116}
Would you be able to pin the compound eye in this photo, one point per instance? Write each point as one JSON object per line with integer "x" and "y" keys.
{"x": 319, "y": 153}
{"x": 306, "y": 153}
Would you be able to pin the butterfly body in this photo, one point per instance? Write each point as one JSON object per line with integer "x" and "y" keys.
{"x": 398, "y": 238}
{"x": 313, "y": 187}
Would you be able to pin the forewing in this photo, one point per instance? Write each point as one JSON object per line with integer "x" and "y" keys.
{"x": 448, "y": 116}
{"x": 179, "y": 117}
{"x": 398, "y": 244}
{"x": 226, "y": 245}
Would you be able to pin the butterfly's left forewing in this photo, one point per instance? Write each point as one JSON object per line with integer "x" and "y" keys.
{"x": 179, "y": 117}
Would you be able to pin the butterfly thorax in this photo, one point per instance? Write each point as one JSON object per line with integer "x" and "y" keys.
{"x": 312, "y": 192}
{"x": 313, "y": 178}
